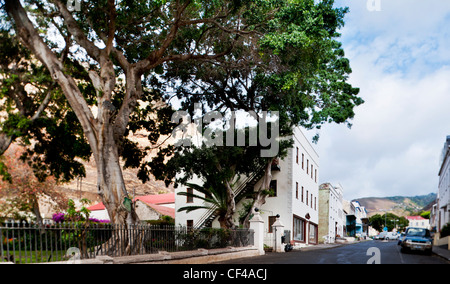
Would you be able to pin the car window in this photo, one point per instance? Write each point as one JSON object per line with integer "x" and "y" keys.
{"x": 413, "y": 232}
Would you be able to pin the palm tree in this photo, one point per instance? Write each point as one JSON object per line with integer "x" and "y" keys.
{"x": 214, "y": 195}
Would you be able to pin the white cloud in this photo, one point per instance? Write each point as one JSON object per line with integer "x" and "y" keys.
{"x": 400, "y": 61}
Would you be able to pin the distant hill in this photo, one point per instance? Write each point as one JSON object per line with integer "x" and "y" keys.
{"x": 398, "y": 205}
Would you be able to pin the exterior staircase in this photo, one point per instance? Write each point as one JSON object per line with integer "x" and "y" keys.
{"x": 247, "y": 185}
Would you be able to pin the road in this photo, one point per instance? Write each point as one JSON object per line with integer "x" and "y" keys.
{"x": 378, "y": 252}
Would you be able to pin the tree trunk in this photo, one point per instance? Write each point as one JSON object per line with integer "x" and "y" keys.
{"x": 231, "y": 207}
{"x": 37, "y": 212}
{"x": 261, "y": 194}
{"x": 111, "y": 185}
{"x": 103, "y": 132}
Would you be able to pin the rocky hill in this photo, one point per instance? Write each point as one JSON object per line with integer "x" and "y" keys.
{"x": 398, "y": 205}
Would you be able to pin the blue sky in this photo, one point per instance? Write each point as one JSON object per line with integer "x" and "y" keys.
{"x": 400, "y": 56}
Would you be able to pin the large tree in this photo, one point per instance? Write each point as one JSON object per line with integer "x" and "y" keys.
{"x": 252, "y": 55}
{"x": 295, "y": 67}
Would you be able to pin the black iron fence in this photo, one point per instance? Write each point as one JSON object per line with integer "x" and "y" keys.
{"x": 28, "y": 243}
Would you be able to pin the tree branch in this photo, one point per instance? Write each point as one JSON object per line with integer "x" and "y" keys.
{"x": 75, "y": 30}
{"x": 34, "y": 42}
{"x": 153, "y": 59}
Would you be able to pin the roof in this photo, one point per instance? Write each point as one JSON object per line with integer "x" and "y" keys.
{"x": 156, "y": 199}
{"x": 415, "y": 218}
{"x": 163, "y": 210}
{"x": 97, "y": 207}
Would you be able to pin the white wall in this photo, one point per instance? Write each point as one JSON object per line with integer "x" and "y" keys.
{"x": 443, "y": 213}
{"x": 286, "y": 203}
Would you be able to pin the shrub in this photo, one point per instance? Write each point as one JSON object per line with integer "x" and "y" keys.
{"x": 445, "y": 231}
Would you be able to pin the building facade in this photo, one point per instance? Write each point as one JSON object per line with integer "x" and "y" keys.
{"x": 331, "y": 213}
{"x": 357, "y": 222}
{"x": 418, "y": 222}
{"x": 443, "y": 202}
{"x": 295, "y": 196}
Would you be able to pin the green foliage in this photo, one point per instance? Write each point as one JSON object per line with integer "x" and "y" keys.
{"x": 74, "y": 215}
{"x": 162, "y": 221}
{"x": 378, "y": 222}
{"x": 445, "y": 231}
{"x": 25, "y": 86}
{"x": 425, "y": 214}
{"x": 257, "y": 55}
{"x": 6, "y": 176}
{"x": 295, "y": 66}
{"x": 208, "y": 238}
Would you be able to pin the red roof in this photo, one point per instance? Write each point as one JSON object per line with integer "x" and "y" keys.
{"x": 156, "y": 199}
{"x": 163, "y": 210}
{"x": 415, "y": 218}
{"x": 97, "y": 207}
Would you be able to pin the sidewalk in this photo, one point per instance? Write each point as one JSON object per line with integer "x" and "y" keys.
{"x": 442, "y": 251}
{"x": 321, "y": 246}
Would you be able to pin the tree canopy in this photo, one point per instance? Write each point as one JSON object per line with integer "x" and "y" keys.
{"x": 129, "y": 56}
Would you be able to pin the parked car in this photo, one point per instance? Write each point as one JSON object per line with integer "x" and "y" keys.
{"x": 401, "y": 238}
{"x": 380, "y": 236}
{"x": 392, "y": 236}
{"x": 416, "y": 239}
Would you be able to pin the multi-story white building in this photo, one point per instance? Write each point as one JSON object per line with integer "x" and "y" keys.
{"x": 331, "y": 213}
{"x": 443, "y": 204}
{"x": 295, "y": 196}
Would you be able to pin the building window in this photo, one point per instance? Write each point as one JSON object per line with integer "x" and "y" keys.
{"x": 303, "y": 161}
{"x": 307, "y": 194}
{"x": 296, "y": 157}
{"x": 311, "y": 200}
{"x": 299, "y": 229}
{"x": 303, "y": 191}
{"x": 189, "y": 197}
{"x": 312, "y": 233}
{"x": 307, "y": 166}
{"x": 190, "y": 224}
{"x": 315, "y": 175}
{"x": 296, "y": 190}
{"x": 312, "y": 171}
{"x": 273, "y": 188}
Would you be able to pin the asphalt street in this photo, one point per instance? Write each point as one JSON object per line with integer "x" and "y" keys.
{"x": 368, "y": 252}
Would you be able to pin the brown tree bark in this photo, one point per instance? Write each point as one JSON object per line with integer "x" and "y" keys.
{"x": 261, "y": 194}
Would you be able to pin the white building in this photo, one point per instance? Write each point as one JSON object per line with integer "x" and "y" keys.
{"x": 295, "y": 198}
{"x": 418, "y": 222}
{"x": 331, "y": 213}
{"x": 443, "y": 204}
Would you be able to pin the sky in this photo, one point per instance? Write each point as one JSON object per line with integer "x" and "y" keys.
{"x": 399, "y": 52}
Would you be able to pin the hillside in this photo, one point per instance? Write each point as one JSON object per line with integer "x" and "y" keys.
{"x": 398, "y": 205}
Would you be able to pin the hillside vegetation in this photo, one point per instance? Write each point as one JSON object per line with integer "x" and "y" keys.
{"x": 398, "y": 205}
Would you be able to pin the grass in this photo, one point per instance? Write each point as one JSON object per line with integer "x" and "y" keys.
{"x": 35, "y": 256}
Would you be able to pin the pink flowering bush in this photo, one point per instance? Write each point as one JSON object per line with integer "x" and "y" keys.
{"x": 74, "y": 215}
